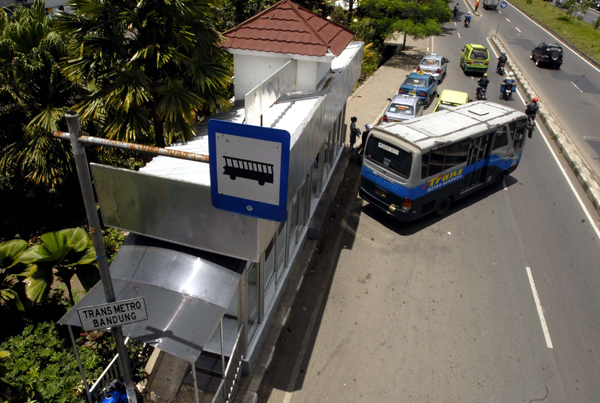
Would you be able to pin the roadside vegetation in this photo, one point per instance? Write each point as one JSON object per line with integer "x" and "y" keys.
{"x": 561, "y": 21}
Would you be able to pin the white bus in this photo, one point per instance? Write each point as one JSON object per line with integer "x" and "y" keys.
{"x": 421, "y": 166}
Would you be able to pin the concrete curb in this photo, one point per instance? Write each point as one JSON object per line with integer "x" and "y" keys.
{"x": 585, "y": 176}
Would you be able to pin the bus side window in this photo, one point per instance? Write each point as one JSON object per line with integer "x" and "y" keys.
{"x": 456, "y": 154}
{"x": 511, "y": 128}
{"x": 436, "y": 161}
{"x": 519, "y": 138}
{"x": 424, "y": 165}
{"x": 501, "y": 139}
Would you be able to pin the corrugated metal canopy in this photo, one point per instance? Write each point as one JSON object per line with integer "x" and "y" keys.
{"x": 187, "y": 292}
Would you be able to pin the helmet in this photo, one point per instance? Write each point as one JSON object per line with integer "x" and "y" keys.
{"x": 368, "y": 126}
{"x": 504, "y": 53}
{"x": 468, "y": 13}
{"x": 485, "y": 74}
{"x": 510, "y": 74}
{"x": 535, "y": 99}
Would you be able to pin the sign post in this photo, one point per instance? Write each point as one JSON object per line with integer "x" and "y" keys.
{"x": 249, "y": 168}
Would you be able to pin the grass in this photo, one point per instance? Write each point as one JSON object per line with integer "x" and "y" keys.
{"x": 579, "y": 33}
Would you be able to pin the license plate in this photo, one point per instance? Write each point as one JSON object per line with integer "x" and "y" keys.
{"x": 381, "y": 192}
{"x": 412, "y": 92}
{"x": 478, "y": 63}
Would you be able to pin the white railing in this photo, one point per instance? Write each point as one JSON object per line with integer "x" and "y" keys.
{"x": 110, "y": 373}
{"x": 233, "y": 372}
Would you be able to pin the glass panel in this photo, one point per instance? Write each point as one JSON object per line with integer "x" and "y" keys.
{"x": 424, "y": 165}
{"x": 456, "y": 154}
{"x": 269, "y": 263}
{"x": 253, "y": 304}
{"x": 519, "y": 138}
{"x": 280, "y": 248}
{"x": 483, "y": 150}
{"x": 436, "y": 161}
{"x": 501, "y": 139}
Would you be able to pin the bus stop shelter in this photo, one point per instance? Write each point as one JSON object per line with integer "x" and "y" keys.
{"x": 187, "y": 292}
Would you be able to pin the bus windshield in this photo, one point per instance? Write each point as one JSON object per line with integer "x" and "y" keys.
{"x": 390, "y": 156}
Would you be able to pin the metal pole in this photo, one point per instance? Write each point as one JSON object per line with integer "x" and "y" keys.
{"x": 85, "y": 384}
{"x": 195, "y": 382}
{"x": 85, "y": 182}
{"x": 222, "y": 352}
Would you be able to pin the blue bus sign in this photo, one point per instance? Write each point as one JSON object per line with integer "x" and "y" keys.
{"x": 503, "y": 4}
{"x": 249, "y": 168}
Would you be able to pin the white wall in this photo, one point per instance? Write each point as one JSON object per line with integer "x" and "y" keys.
{"x": 306, "y": 76}
{"x": 252, "y": 70}
{"x": 322, "y": 70}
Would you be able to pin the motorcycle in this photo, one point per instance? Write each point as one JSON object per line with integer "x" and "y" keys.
{"x": 500, "y": 69}
{"x": 467, "y": 23}
{"x": 115, "y": 392}
{"x": 480, "y": 93}
{"x": 507, "y": 90}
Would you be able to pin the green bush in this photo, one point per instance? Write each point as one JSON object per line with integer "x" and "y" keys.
{"x": 41, "y": 364}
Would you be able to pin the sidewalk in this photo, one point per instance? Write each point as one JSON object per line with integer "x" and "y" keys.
{"x": 367, "y": 103}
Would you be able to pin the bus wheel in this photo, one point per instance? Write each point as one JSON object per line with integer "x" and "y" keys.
{"x": 498, "y": 180}
{"x": 261, "y": 183}
{"x": 443, "y": 207}
{"x": 232, "y": 177}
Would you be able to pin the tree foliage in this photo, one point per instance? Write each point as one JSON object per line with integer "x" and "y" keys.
{"x": 33, "y": 96}
{"x": 415, "y": 18}
{"x": 152, "y": 65}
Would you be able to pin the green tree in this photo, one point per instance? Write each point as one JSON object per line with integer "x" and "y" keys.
{"x": 152, "y": 64}
{"x": 33, "y": 96}
{"x": 10, "y": 253}
{"x": 415, "y": 18}
{"x": 63, "y": 254}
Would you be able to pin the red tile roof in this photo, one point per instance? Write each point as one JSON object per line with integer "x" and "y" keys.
{"x": 288, "y": 28}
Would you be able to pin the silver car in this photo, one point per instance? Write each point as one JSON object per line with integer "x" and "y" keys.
{"x": 402, "y": 107}
{"x": 434, "y": 65}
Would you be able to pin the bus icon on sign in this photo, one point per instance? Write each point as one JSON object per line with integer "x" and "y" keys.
{"x": 254, "y": 170}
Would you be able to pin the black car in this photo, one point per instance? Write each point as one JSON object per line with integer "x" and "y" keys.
{"x": 547, "y": 53}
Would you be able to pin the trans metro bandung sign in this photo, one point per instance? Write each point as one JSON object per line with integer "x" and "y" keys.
{"x": 113, "y": 314}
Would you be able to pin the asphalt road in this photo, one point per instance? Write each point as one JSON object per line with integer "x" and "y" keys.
{"x": 496, "y": 302}
{"x": 571, "y": 92}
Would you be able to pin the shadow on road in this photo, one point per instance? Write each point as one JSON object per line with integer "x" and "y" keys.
{"x": 297, "y": 339}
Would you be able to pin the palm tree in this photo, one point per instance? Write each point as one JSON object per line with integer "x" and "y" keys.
{"x": 10, "y": 253}
{"x": 63, "y": 254}
{"x": 149, "y": 65}
{"x": 33, "y": 96}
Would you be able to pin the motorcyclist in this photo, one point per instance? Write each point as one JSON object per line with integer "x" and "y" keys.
{"x": 468, "y": 18}
{"x": 532, "y": 109}
{"x": 483, "y": 84}
{"x": 502, "y": 60}
{"x": 508, "y": 82}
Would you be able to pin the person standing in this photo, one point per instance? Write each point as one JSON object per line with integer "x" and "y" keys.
{"x": 354, "y": 132}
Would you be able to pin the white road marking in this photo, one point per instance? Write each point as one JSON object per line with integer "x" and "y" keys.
{"x": 517, "y": 29}
{"x": 591, "y": 138}
{"x": 492, "y": 47}
{"x": 575, "y": 85}
{"x": 459, "y": 35}
{"x": 507, "y": 19}
{"x": 563, "y": 170}
{"x": 454, "y": 23}
{"x": 564, "y": 45}
{"x": 539, "y": 309}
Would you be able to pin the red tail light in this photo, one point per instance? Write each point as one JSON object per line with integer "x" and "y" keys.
{"x": 469, "y": 62}
{"x": 438, "y": 71}
{"x": 384, "y": 118}
{"x": 406, "y": 205}
{"x": 423, "y": 94}
{"x": 400, "y": 91}
{"x": 486, "y": 63}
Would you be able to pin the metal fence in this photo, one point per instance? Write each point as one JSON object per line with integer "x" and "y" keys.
{"x": 233, "y": 372}
{"x": 110, "y": 373}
